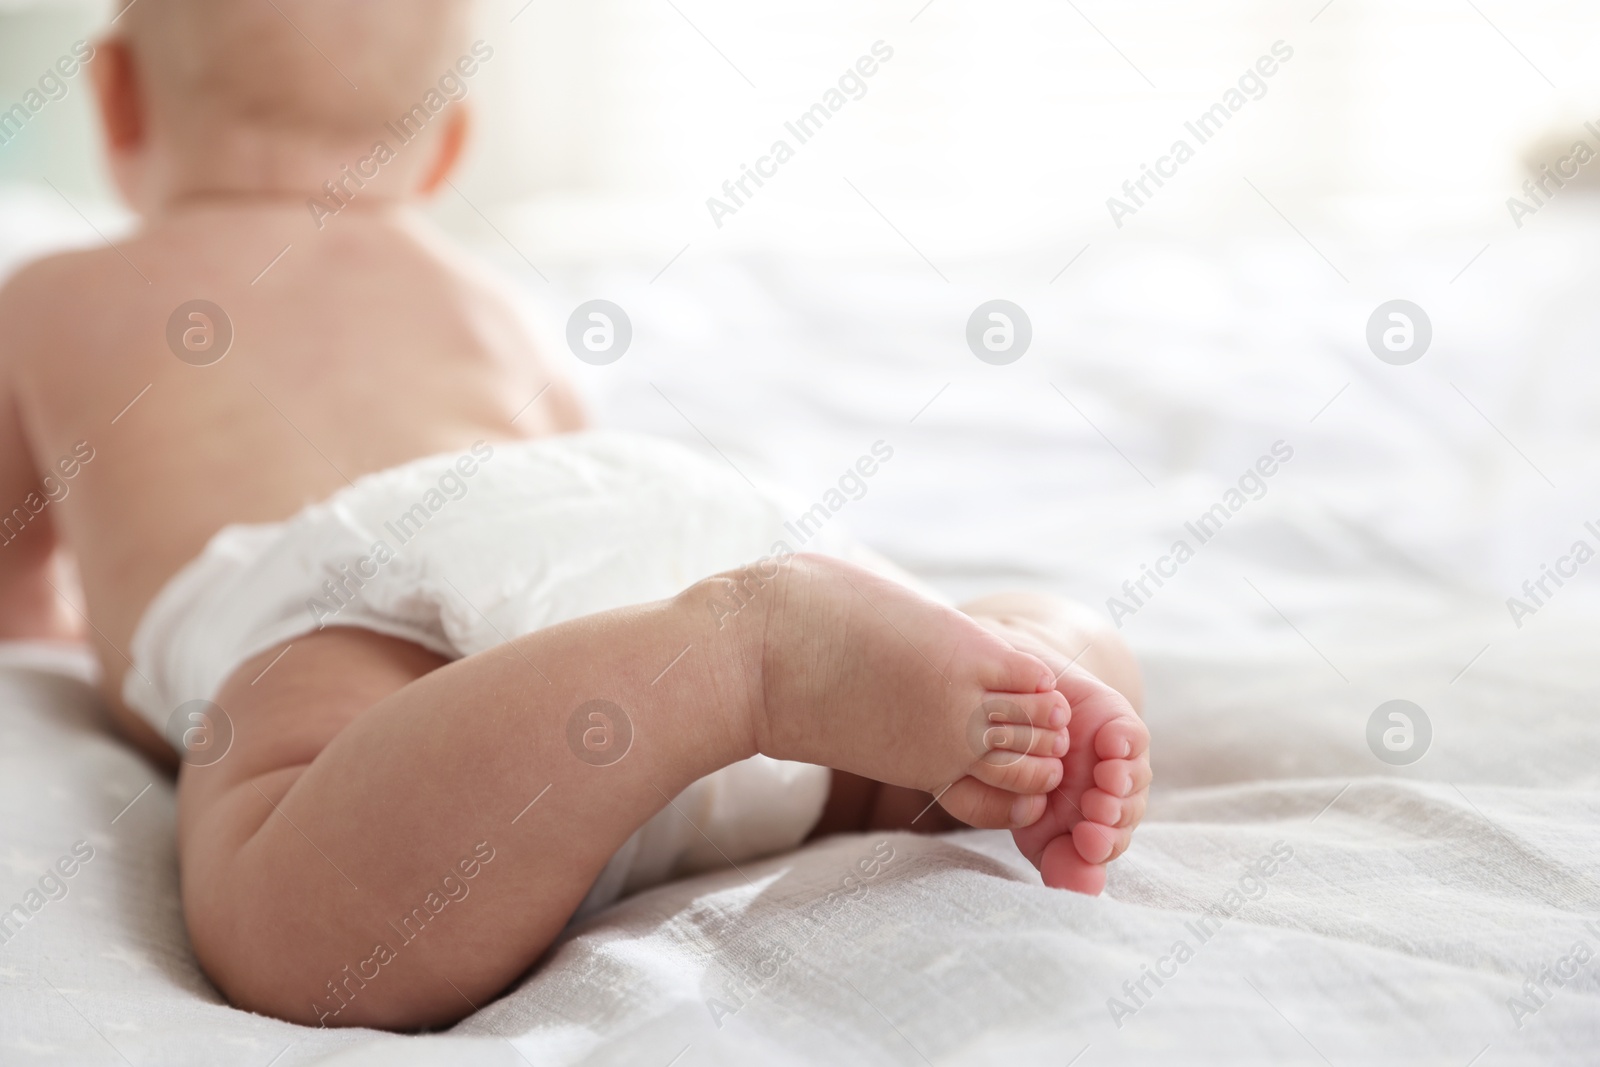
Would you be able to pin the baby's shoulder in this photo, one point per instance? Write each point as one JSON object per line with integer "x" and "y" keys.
{"x": 38, "y": 277}
{"x": 28, "y": 297}
{"x": 49, "y": 303}
{"x": 43, "y": 286}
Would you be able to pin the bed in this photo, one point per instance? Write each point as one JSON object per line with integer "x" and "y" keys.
{"x": 1298, "y": 894}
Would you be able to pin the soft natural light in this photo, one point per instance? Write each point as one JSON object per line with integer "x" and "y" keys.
{"x": 996, "y": 124}
{"x": 610, "y": 124}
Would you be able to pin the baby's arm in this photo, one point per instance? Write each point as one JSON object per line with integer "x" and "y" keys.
{"x": 30, "y": 608}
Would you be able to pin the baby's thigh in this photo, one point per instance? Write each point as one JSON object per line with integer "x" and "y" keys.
{"x": 279, "y": 711}
{"x": 242, "y": 885}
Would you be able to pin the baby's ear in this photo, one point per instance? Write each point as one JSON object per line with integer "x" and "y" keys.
{"x": 116, "y": 86}
{"x": 452, "y": 142}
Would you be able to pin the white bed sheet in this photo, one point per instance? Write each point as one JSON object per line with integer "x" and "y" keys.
{"x": 1418, "y": 899}
{"x": 1404, "y": 922}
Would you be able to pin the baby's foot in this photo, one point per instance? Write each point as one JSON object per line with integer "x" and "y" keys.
{"x": 862, "y": 674}
{"x": 1091, "y": 815}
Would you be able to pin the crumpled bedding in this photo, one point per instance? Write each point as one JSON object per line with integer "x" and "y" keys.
{"x": 1337, "y": 916}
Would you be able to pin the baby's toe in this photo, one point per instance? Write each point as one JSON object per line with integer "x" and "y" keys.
{"x": 1033, "y": 724}
{"x": 1122, "y": 778}
{"x": 1010, "y": 672}
{"x": 988, "y": 808}
{"x": 1132, "y": 811}
{"x": 1120, "y": 812}
{"x": 1097, "y": 843}
{"x": 1063, "y": 867}
{"x": 1017, "y": 773}
{"x": 1048, "y": 710}
{"x": 1099, "y": 806}
{"x": 1124, "y": 737}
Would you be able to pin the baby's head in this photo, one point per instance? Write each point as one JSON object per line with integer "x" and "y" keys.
{"x": 276, "y": 97}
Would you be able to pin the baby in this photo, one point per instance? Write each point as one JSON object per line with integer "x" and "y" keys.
{"x": 447, "y": 668}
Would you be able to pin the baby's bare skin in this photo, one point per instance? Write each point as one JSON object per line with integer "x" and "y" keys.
{"x": 362, "y": 766}
{"x": 367, "y": 345}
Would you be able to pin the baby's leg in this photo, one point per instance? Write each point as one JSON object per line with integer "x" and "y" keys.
{"x": 325, "y": 858}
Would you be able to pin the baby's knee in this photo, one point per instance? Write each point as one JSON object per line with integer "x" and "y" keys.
{"x": 271, "y": 949}
{"x": 253, "y": 909}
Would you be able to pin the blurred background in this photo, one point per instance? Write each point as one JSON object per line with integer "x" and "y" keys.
{"x": 606, "y": 123}
{"x": 1229, "y": 312}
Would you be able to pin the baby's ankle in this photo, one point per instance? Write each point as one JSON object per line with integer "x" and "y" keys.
{"x": 772, "y": 617}
{"x": 732, "y": 612}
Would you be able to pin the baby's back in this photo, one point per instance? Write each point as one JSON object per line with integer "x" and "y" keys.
{"x": 352, "y": 349}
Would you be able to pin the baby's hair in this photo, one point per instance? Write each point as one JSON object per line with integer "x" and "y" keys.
{"x": 328, "y": 70}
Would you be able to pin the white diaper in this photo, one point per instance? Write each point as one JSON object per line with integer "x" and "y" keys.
{"x": 459, "y": 553}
